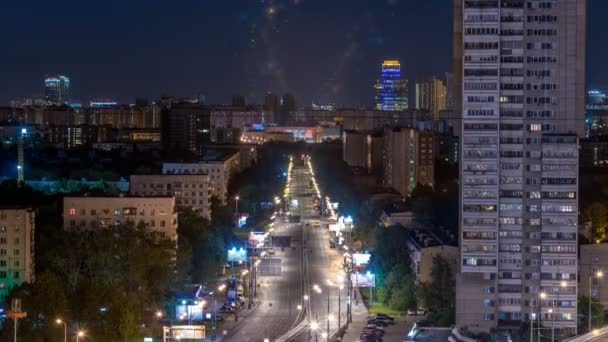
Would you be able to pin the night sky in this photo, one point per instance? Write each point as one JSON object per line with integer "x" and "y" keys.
{"x": 321, "y": 50}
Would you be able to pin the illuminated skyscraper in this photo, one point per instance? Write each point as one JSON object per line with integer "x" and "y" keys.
{"x": 391, "y": 91}
{"x": 522, "y": 83}
{"x": 57, "y": 90}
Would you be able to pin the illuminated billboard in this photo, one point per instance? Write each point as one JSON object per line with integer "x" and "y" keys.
{"x": 363, "y": 279}
{"x": 236, "y": 255}
{"x": 361, "y": 258}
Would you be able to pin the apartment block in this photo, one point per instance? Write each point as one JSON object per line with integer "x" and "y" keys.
{"x": 17, "y": 252}
{"x": 523, "y": 68}
{"x": 89, "y": 213}
{"x": 408, "y": 159}
{"x": 190, "y": 191}
{"x": 363, "y": 149}
{"x": 220, "y": 171}
{"x": 593, "y": 259}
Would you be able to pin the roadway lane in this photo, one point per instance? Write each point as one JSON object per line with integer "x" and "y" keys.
{"x": 323, "y": 264}
{"x": 278, "y": 297}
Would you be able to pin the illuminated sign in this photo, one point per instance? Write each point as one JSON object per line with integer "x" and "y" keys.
{"x": 237, "y": 254}
{"x": 361, "y": 258}
{"x": 257, "y": 239}
{"x": 363, "y": 279}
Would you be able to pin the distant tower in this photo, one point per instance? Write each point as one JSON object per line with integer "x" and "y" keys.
{"x": 391, "y": 91}
{"x": 57, "y": 90}
{"x": 20, "y": 139}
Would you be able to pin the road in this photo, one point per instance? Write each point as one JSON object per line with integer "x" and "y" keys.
{"x": 309, "y": 261}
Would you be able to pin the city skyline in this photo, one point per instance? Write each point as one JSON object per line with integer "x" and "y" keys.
{"x": 121, "y": 51}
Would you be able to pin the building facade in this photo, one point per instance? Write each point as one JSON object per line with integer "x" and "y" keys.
{"x": 57, "y": 90}
{"x": 522, "y": 103}
{"x": 17, "y": 252}
{"x": 363, "y": 149}
{"x": 220, "y": 172}
{"x": 190, "y": 191}
{"x": 158, "y": 214}
{"x": 391, "y": 90}
{"x": 408, "y": 159}
{"x": 593, "y": 259}
{"x": 431, "y": 95}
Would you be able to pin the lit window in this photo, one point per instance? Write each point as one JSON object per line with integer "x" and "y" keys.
{"x": 535, "y": 127}
{"x": 72, "y": 211}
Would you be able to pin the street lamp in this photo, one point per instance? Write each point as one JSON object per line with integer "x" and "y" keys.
{"x": 313, "y": 327}
{"x": 542, "y": 296}
{"x": 79, "y": 334}
{"x": 598, "y": 275}
{"x": 65, "y": 328}
{"x": 236, "y": 205}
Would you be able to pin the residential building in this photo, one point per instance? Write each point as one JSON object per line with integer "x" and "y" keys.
{"x": 363, "y": 149}
{"x": 523, "y": 100}
{"x": 408, "y": 159}
{"x": 57, "y": 90}
{"x": 431, "y": 95}
{"x": 185, "y": 126}
{"x": 593, "y": 259}
{"x": 190, "y": 191}
{"x": 423, "y": 246}
{"x": 391, "y": 90}
{"x": 17, "y": 252}
{"x": 396, "y": 215}
{"x": 158, "y": 214}
{"x": 220, "y": 171}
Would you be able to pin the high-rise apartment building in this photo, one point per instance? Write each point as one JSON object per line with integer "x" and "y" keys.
{"x": 523, "y": 67}
{"x": 408, "y": 159}
{"x": 16, "y": 248}
{"x": 57, "y": 90}
{"x": 391, "y": 90}
{"x": 431, "y": 95}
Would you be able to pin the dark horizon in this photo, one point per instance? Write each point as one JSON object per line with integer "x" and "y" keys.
{"x": 319, "y": 51}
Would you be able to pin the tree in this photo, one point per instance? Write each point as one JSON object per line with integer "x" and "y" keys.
{"x": 597, "y": 312}
{"x": 438, "y": 293}
{"x": 404, "y": 294}
{"x": 598, "y": 214}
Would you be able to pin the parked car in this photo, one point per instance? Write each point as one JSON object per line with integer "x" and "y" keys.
{"x": 373, "y": 329}
{"x": 378, "y": 322}
{"x": 271, "y": 251}
{"x": 421, "y": 312}
{"x": 384, "y": 316}
{"x": 370, "y": 338}
{"x": 411, "y": 312}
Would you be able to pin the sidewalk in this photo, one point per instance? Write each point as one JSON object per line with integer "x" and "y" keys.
{"x": 360, "y": 314}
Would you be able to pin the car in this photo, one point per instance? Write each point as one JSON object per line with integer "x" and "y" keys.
{"x": 370, "y": 338}
{"x": 411, "y": 312}
{"x": 271, "y": 251}
{"x": 421, "y": 312}
{"x": 373, "y": 329}
{"x": 381, "y": 320}
{"x": 374, "y": 326}
{"x": 377, "y": 322}
{"x": 384, "y": 316}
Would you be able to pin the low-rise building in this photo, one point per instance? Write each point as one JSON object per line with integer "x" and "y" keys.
{"x": 16, "y": 248}
{"x": 190, "y": 191}
{"x": 423, "y": 247}
{"x": 219, "y": 168}
{"x": 89, "y": 213}
{"x": 593, "y": 259}
{"x": 395, "y": 215}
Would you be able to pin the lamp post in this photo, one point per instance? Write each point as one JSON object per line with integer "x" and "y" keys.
{"x": 236, "y": 206}
{"x": 79, "y": 334}
{"x": 65, "y": 328}
{"x": 598, "y": 275}
{"x": 543, "y": 296}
